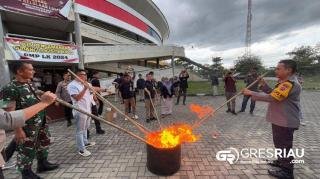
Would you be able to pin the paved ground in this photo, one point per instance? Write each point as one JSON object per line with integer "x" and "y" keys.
{"x": 118, "y": 155}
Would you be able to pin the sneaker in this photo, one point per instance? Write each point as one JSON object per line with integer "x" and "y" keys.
{"x": 90, "y": 144}
{"x": 135, "y": 117}
{"x": 125, "y": 119}
{"x": 85, "y": 153}
{"x": 9, "y": 165}
{"x": 303, "y": 123}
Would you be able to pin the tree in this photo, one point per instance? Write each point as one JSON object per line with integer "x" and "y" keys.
{"x": 245, "y": 63}
{"x": 307, "y": 59}
{"x": 217, "y": 66}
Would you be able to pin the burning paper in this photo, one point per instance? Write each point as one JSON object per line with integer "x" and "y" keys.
{"x": 172, "y": 136}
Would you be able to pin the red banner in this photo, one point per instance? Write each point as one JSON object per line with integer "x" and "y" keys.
{"x": 46, "y": 8}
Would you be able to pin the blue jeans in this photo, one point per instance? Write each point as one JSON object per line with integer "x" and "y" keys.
{"x": 82, "y": 124}
{"x": 245, "y": 101}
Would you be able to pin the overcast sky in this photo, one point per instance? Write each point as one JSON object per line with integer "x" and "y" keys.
{"x": 208, "y": 28}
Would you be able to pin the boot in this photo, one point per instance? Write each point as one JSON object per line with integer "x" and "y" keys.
{"x": 100, "y": 131}
{"x": 44, "y": 165}
{"x": 28, "y": 174}
{"x": 281, "y": 173}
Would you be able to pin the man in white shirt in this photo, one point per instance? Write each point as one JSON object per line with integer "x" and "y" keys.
{"x": 81, "y": 98}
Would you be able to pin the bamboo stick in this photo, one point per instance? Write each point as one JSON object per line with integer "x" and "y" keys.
{"x": 198, "y": 123}
{"x": 138, "y": 125}
{"x": 155, "y": 110}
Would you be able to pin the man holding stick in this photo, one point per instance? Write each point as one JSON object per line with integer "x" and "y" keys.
{"x": 33, "y": 139}
{"x": 283, "y": 113}
{"x": 81, "y": 98}
{"x": 16, "y": 119}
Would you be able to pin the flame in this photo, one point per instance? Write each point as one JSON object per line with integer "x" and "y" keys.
{"x": 201, "y": 111}
{"x": 172, "y": 136}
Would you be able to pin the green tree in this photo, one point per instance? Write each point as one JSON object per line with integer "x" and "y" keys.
{"x": 245, "y": 63}
{"x": 307, "y": 59}
{"x": 217, "y": 66}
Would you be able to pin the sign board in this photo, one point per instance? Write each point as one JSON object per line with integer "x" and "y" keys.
{"x": 42, "y": 51}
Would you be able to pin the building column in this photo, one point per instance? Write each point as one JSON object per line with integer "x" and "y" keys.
{"x": 4, "y": 68}
{"x": 145, "y": 63}
{"x": 172, "y": 65}
{"x": 78, "y": 37}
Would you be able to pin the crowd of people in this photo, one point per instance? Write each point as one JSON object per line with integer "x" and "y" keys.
{"x": 151, "y": 92}
{"x": 24, "y": 106}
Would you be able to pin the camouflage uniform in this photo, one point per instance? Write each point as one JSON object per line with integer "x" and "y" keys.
{"x": 37, "y": 133}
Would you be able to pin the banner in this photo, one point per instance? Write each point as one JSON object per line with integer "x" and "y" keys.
{"x": 26, "y": 49}
{"x": 47, "y": 8}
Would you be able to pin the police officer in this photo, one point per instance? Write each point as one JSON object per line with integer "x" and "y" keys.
{"x": 33, "y": 139}
{"x": 283, "y": 113}
{"x": 15, "y": 119}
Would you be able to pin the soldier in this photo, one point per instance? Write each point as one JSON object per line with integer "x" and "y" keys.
{"x": 283, "y": 113}
{"x": 14, "y": 119}
{"x": 33, "y": 139}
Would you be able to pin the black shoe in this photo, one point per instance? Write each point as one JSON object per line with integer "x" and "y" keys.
{"x": 148, "y": 120}
{"x": 274, "y": 163}
{"x": 240, "y": 111}
{"x": 251, "y": 112}
{"x": 69, "y": 123}
{"x": 44, "y": 165}
{"x": 233, "y": 112}
{"x": 101, "y": 131}
{"x": 184, "y": 103}
{"x": 281, "y": 173}
{"x": 153, "y": 118}
{"x": 228, "y": 111}
{"x": 177, "y": 103}
{"x": 28, "y": 174}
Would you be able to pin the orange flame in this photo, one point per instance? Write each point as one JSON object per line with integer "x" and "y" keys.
{"x": 172, "y": 136}
{"x": 201, "y": 111}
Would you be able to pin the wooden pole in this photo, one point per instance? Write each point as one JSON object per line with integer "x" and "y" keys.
{"x": 138, "y": 125}
{"x": 100, "y": 119}
{"x": 198, "y": 123}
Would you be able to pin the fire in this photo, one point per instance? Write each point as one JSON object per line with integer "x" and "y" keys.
{"x": 172, "y": 136}
{"x": 201, "y": 111}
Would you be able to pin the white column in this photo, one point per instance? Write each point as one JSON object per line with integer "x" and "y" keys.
{"x": 4, "y": 68}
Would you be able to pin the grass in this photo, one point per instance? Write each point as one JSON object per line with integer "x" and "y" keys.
{"x": 204, "y": 87}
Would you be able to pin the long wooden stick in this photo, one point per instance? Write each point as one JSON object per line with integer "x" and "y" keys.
{"x": 198, "y": 123}
{"x": 104, "y": 100}
{"x": 154, "y": 108}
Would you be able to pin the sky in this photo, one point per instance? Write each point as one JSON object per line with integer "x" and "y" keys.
{"x": 210, "y": 28}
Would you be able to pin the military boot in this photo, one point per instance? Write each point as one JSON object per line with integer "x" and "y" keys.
{"x": 45, "y": 165}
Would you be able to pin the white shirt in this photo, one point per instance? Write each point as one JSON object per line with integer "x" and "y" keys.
{"x": 74, "y": 88}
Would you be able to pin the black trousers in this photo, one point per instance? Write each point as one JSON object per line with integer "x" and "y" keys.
{"x": 94, "y": 111}
{"x": 100, "y": 109}
{"x": 245, "y": 101}
{"x": 283, "y": 139}
{"x": 68, "y": 113}
{"x": 182, "y": 92}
